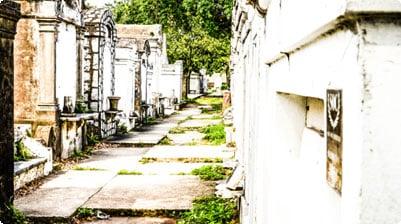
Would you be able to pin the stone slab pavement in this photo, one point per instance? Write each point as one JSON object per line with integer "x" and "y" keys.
{"x": 155, "y": 192}
{"x": 153, "y": 134}
{"x": 199, "y": 123}
{"x": 61, "y": 196}
{"x": 186, "y": 138}
{"x": 172, "y": 168}
{"x": 115, "y": 159}
{"x": 177, "y": 152}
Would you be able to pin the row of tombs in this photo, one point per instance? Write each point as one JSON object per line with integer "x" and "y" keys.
{"x": 78, "y": 77}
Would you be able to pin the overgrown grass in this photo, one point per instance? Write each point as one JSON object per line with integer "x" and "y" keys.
{"x": 215, "y": 134}
{"x": 129, "y": 172}
{"x": 80, "y": 168}
{"x": 211, "y": 172}
{"x": 215, "y": 102}
{"x": 211, "y": 210}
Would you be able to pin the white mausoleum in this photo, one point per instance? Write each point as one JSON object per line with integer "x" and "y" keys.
{"x": 315, "y": 88}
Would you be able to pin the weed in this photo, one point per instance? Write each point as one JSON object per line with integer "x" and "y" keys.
{"x": 166, "y": 141}
{"x": 147, "y": 160}
{"x": 93, "y": 139}
{"x": 85, "y": 213}
{"x": 84, "y": 154}
{"x": 215, "y": 134}
{"x": 12, "y": 215}
{"x": 150, "y": 121}
{"x": 127, "y": 172}
{"x": 211, "y": 172}
{"x": 211, "y": 209}
{"x": 80, "y": 168}
{"x": 122, "y": 129}
{"x": 22, "y": 152}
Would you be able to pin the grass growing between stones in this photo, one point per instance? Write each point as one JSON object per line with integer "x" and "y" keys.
{"x": 80, "y": 168}
{"x": 211, "y": 210}
{"x": 147, "y": 160}
{"x": 215, "y": 134}
{"x": 166, "y": 141}
{"x": 182, "y": 130}
{"x": 216, "y": 104}
{"x": 127, "y": 172}
{"x": 212, "y": 172}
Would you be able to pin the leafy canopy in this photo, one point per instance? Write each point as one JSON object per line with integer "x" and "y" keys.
{"x": 198, "y": 31}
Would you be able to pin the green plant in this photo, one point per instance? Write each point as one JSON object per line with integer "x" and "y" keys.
{"x": 81, "y": 107}
{"x": 80, "y": 168}
{"x": 122, "y": 129}
{"x": 147, "y": 160}
{"x": 12, "y": 215}
{"x": 92, "y": 139}
{"x": 215, "y": 134}
{"x": 150, "y": 121}
{"x": 211, "y": 172}
{"x": 129, "y": 172}
{"x": 166, "y": 141}
{"x": 224, "y": 86}
{"x": 211, "y": 210}
{"x": 85, "y": 213}
{"x": 22, "y": 152}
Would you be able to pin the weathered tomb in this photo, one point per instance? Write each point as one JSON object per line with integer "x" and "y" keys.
{"x": 48, "y": 66}
{"x": 171, "y": 87}
{"x": 315, "y": 89}
{"x": 99, "y": 68}
{"x": 9, "y": 15}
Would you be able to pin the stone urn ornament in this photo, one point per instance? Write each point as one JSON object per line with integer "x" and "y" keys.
{"x": 113, "y": 100}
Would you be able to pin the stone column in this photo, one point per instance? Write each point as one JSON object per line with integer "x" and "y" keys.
{"x": 47, "y": 108}
{"x": 9, "y": 15}
{"x": 138, "y": 83}
{"x": 48, "y": 38}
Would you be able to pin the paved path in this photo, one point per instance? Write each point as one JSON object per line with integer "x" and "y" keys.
{"x": 151, "y": 135}
{"x": 157, "y": 189}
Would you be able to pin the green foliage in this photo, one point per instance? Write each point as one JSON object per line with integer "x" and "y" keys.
{"x": 128, "y": 172}
{"x": 122, "y": 129}
{"x": 93, "y": 139}
{"x": 198, "y": 31}
{"x": 215, "y": 134}
{"x": 85, "y": 213}
{"x": 166, "y": 141}
{"x": 215, "y": 102}
{"x": 12, "y": 215}
{"x": 79, "y": 168}
{"x": 211, "y": 210}
{"x": 81, "y": 107}
{"x": 211, "y": 172}
{"x": 22, "y": 152}
{"x": 224, "y": 86}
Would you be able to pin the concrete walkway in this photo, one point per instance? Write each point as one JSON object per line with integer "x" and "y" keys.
{"x": 129, "y": 181}
{"x": 153, "y": 134}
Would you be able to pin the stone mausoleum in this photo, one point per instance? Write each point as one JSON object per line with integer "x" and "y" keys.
{"x": 64, "y": 73}
{"x": 315, "y": 88}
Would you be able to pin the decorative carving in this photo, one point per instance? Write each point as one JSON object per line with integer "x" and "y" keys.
{"x": 334, "y": 139}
